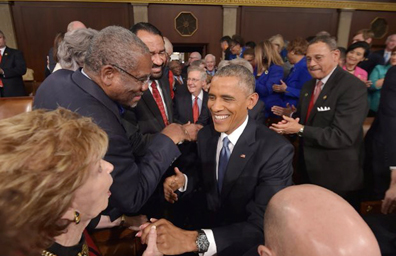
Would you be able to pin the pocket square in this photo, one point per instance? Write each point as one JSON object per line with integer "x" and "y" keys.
{"x": 322, "y": 109}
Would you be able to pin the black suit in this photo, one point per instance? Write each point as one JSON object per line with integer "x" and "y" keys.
{"x": 260, "y": 165}
{"x": 14, "y": 67}
{"x": 133, "y": 183}
{"x": 373, "y": 59}
{"x": 183, "y": 112}
{"x": 147, "y": 114}
{"x": 333, "y": 137}
{"x": 381, "y": 138}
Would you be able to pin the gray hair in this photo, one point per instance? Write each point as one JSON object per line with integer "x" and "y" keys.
{"x": 210, "y": 55}
{"x": 330, "y": 41}
{"x": 114, "y": 45}
{"x": 73, "y": 48}
{"x": 389, "y": 38}
{"x": 201, "y": 70}
{"x": 246, "y": 79}
{"x": 237, "y": 61}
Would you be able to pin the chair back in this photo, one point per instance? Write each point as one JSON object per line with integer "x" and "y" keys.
{"x": 15, "y": 105}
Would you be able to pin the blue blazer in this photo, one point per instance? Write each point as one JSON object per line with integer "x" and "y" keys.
{"x": 297, "y": 77}
{"x": 264, "y": 85}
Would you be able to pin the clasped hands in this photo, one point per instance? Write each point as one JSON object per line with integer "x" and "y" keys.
{"x": 169, "y": 240}
{"x": 179, "y": 133}
{"x": 287, "y": 126}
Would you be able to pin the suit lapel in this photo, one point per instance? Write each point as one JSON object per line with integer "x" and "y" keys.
{"x": 210, "y": 170}
{"x": 306, "y": 98}
{"x": 164, "y": 84}
{"x": 323, "y": 96}
{"x": 241, "y": 154}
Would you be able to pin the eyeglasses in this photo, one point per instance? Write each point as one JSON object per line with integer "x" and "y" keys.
{"x": 143, "y": 80}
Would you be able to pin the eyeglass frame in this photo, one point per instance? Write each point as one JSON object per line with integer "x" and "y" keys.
{"x": 126, "y": 72}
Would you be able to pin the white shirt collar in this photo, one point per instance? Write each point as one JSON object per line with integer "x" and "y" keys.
{"x": 234, "y": 136}
{"x": 200, "y": 96}
{"x": 324, "y": 79}
{"x": 2, "y": 50}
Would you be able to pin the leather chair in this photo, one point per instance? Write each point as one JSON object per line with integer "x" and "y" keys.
{"x": 15, "y": 105}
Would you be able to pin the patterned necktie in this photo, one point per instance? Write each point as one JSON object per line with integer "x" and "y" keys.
{"x": 223, "y": 161}
{"x": 195, "y": 110}
{"x": 1, "y": 82}
{"x": 160, "y": 103}
{"x": 315, "y": 95}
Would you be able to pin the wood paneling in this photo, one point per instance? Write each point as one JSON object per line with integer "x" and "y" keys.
{"x": 363, "y": 19}
{"x": 260, "y": 23}
{"x": 210, "y": 24}
{"x": 37, "y": 23}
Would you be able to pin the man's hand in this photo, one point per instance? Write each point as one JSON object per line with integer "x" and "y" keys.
{"x": 279, "y": 87}
{"x": 173, "y": 183}
{"x": 152, "y": 249}
{"x": 171, "y": 240}
{"x": 287, "y": 111}
{"x": 192, "y": 130}
{"x": 176, "y": 132}
{"x": 287, "y": 126}
{"x": 389, "y": 202}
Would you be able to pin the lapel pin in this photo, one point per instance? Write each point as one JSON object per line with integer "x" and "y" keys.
{"x": 306, "y": 94}
{"x": 325, "y": 97}
{"x": 5, "y": 54}
{"x": 243, "y": 156}
{"x": 266, "y": 72}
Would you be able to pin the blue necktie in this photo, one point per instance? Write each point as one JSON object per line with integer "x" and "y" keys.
{"x": 223, "y": 161}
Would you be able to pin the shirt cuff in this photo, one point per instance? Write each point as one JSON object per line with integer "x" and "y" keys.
{"x": 392, "y": 168}
{"x": 184, "y": 188}
{"x": 212, "y": 250}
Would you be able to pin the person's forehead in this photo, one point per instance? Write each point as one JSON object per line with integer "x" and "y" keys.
{"x": 318, "y": 48}
{"x": 194, "y": 73}
{"x": 151, "y": 40}
{"x": 392, "y": 38}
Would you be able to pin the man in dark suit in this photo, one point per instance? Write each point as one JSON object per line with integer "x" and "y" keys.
{"x": 191, "y": 106}
{"x": 381, "y": 145}
{"x": 386, "y": 53}
{"x": 12, "y": 68}
{"x": 243, "y": 166}
{"x": 115, "y": 74}
{"x": 332, "y": 108}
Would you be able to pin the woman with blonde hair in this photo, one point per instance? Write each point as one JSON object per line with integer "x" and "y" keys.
{"x": 268, "y": 71}
{"x": 52, "y": 169}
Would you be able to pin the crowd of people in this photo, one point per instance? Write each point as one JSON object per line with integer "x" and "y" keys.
{"x": 201, "y": 156}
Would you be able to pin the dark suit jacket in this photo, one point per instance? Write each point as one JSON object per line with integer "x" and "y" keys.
{"x": 333, "y": 139}
{"x": 259, "y": 166}
{"x": 14, "y": 67}
{"x": 373, "y": 59}
{"x": 133, "y": 183}
{"x": 381, "y": 138}
{"x": 182, "y": 109}
{"x": 147, "y": 114}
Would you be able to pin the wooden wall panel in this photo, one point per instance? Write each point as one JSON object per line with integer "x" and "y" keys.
{"x": 210, "y": 24}
{"x": 37, "y": 23}
{"x": 260, "y": 23}
{"x": 363, "y": 19}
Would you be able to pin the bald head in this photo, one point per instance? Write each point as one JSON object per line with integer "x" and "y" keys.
{"x": 74, "y": 25}
{"x": 308, "y": 220}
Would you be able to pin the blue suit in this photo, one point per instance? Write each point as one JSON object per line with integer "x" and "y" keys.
{"x": 264, "y": 84}
{"x": 297, "y": 77}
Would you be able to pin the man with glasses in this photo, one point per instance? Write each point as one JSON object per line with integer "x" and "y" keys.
{"x": 114, "y": 76}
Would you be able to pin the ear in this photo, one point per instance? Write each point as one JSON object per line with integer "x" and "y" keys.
{"x": 69, "y": 214}
{"x": 107, "y": 74}
{"x": 336, "y": 55}
{"x": 252, "y": 100}
{"x": 264, "y": 251}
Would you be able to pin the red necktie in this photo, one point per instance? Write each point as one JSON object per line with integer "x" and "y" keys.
{"x": 314, "y": 97}
{"x": 1, "y": 82}
{"x": 195, "y": 110}
{"x": 158, "y": 100}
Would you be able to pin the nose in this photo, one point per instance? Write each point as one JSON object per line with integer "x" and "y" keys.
{"x": 107, "y": 167}
{"x": 157, "y": 60}
{"x": 215, "y": 105}
{"x": 311, "y": 62}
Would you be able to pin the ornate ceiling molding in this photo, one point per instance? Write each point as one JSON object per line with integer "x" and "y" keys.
{"x": 357, "y": 5}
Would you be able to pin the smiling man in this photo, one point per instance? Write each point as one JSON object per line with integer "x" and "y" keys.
{"x": 243, "y": 164}
{"x": 115, "y": 74}
{"x": 331, "y": 111}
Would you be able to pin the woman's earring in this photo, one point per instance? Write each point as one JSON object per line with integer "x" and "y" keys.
{"x": 77, "y": 217}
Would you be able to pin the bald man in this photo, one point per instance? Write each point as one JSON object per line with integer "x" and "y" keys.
{"x": 308, "y": 220}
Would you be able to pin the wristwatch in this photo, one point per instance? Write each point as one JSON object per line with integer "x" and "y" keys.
{"x": 300, "y": 132}
{"x": 202, "y": 242}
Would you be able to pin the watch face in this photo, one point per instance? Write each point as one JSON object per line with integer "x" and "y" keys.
{"x": 202, "y": 242}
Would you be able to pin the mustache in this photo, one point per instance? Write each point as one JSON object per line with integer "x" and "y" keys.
{"x": 158, "y": 66}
